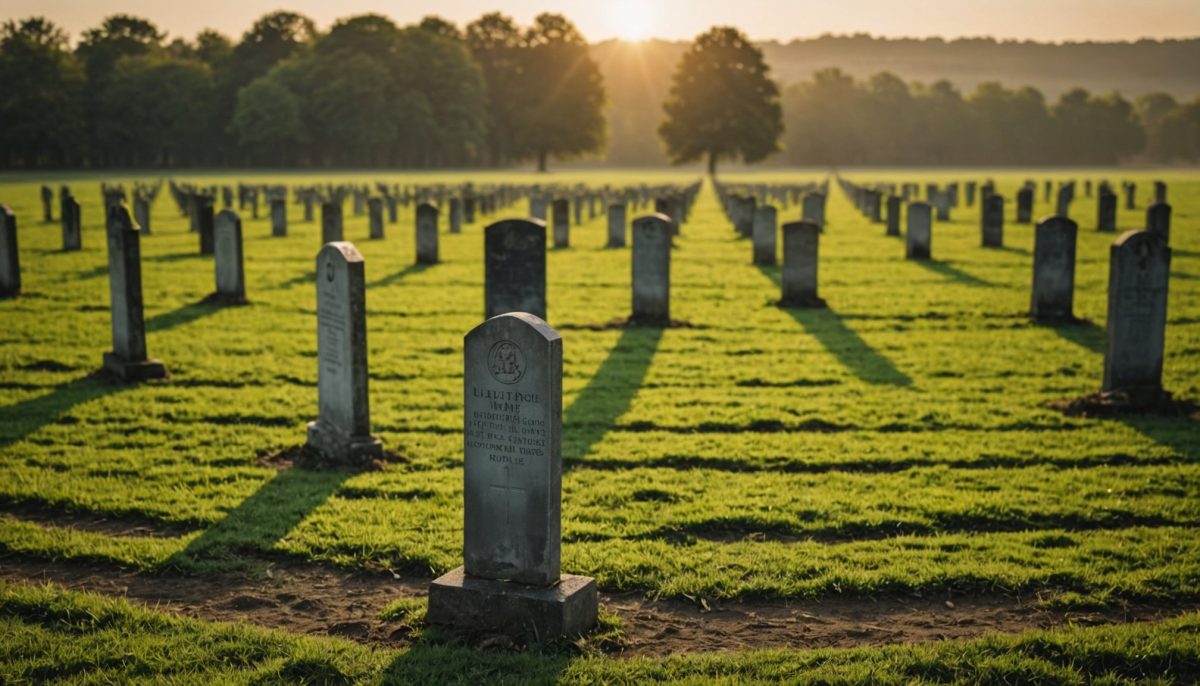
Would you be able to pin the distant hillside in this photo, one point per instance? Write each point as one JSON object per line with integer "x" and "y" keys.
{"x": 638, "y": 75}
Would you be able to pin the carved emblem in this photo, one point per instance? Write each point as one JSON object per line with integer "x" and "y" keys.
{"x": 506, "y": 362}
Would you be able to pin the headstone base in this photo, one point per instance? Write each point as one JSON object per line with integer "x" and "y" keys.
{"x": 335, "y": 447}
{"x": 126, "y": 370}
{"x": 539, "y": 613}
{"x": 811, "y": 302}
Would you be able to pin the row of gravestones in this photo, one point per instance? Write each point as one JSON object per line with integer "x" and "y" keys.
{"x": 1139, "y": 269}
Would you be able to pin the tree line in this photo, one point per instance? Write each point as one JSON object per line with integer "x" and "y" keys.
{"x": 370, "y": 93}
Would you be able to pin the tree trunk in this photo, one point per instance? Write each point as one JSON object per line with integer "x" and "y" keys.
{"x": 542, "y": 161}
{"x": 712, "y": 164}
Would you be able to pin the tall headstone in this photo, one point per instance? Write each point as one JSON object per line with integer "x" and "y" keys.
{"x": 279, "y": 225}
{"x": 1063, "y": 204}
{"x": 456, "y": 215}
{"x": 652, "y": 270}
{"x": 560, "y": 217}
{"x": 331, "y": 222}
{"x": 992, "y": 220}
{"x": 801, "y": 241}
{"x": 918, "y": 237}
{"x": 616, "y": 225}
{"x": 893, "y": 215}
{"x": 204, "y": 223}
{"x": 941, "y": 203}
{"x": 1130, "y": 195}
{"x": 813, "y": 209}
{"x": 141, "y": 212}
{"x": 511, "y": 581}
{"x": 1106, "y": 210}
{"x": 427, "y": 233}
{"x": 1139, "y": 270}
{"x": 72, "y": 224}
{"x": 342, "y": 433}
{"x": 743, "y": 220}
{"x": 515, "y": 268}
{"x": 1158, "y": 220}
{"x": 1053, "y": 293}
{"x": 375, "y": 217}
{"x": 1025, "y": 205}
{"x": 765, "y": 229}
{"x": 47, "y": 205}
{"x": 127, "y": 360}
{"x": 229, "y": 262}
{"x": 1160, "y": 191}
{"x": 10, "y": 256}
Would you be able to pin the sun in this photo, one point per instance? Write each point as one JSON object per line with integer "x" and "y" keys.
{"x": 630, "y": 19}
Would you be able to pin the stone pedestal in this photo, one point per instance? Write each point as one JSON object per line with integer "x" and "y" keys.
{"x": 134, "y": 370}
{"x": 466, "y": 603}
{"x": 337, "y": 447}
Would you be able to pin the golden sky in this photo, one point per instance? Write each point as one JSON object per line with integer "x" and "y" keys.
{"x": 1043, "y": 20}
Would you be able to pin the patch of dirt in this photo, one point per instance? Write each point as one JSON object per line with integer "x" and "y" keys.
{"x": 1103, "y": 404}
{"x": 300, "y": 456}
{"x": 317, "y": 600}
{"x": 50, "y": 516}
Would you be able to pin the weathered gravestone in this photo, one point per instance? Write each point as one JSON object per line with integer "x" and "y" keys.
{"x": 800, "y": 252}
{"x": 228, "y": 262}
{"x": 992, "y": 220}
{"x": 1139, "y": 268}
{"x": 342, "y": 433}
{"x": 765, "y": 229}
{"x": 128, "y": 360}
{"x": 1063, "y": 205}
{"x": 652, "y": 270}
{"x": 1158, "y": 220}
{"x": 743, "y": 215}
{"x": 47, "y": 204}
{"x": 941, "y": 203}
{"x": 1025, "y": 205}
{"x": 1053, "y": 295}
{"x": 813, "y": 209}
{"x": 1106, "y": 210}
{"x": 72, "y": 224}
{"x": 456, "y": 215}
{"x": 141, "y": 212}
{"x": 375, "y": 217}
{"x": 427, "y": 233}
{"x": 537, "y": 207}
{"x": 10, "y": 256}
{"x": 560, "y": 217}
{"x": 331, "y": 222}
{"x": 515, "y": 268}
{"x": 1160, "y": 191}
{"x": 511, "y": 581}
{"x": 1130, "y": 195}
{"x": 919, "y": 235}
{"x": 893, "y": 215}
{"x": 616, "y": 225}
{"x": 279, "y": 224}
{"x": 204, "y": 223}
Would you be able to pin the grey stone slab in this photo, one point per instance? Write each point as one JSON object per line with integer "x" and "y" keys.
{"x": 537, "y": 613}
{"x": 515, "y": 268}
{"x": 332, "y": 228}
{"x": 992, "y": 221}
{"x": 651, "y": 259}
{"x": 427, "y": 233}
{"x": 1138, "y": 278}
{"x": 10, "y": 254}
{"x": 616, "y": 225}
{"x": 128, "y": 359}
{"x": 1053, "y": 292}
{"x": 801, "y": 241}
{"x": 229, "y": 263}
{"x": 919, "y": 234}
{"x": 765, "y": 232}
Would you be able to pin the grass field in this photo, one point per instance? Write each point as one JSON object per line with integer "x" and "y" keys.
{"x": 897, "y": 443}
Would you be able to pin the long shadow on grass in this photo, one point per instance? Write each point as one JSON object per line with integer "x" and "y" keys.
{"x": 19, "y": 420}
{"x": 180, "y": 316}
{"x": 260, "y": 521}
{"x": 1181, "y": 434}
{"x": 400, "y": 275}
{"x": 1082, "y": 332}
{"x": 610, "y": 392}
{"x": 430, "y": 663}
{"x": 851, "y": 350}
{"x": 944, "y": 269}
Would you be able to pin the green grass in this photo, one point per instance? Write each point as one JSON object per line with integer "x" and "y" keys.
{"x": 897, "y": 442}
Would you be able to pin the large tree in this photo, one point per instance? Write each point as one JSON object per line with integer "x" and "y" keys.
{"x": 495, "y": 42}
{"x": 723, "y": 102}
{"x": 40, "y": 108}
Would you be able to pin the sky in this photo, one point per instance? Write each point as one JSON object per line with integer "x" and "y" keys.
{"x": 782, "y": 20}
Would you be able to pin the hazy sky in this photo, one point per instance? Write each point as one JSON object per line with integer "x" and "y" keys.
{"x": 1044, "y": 20}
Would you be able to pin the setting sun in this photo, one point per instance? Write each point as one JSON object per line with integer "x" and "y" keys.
{"x": 629, "y": 19}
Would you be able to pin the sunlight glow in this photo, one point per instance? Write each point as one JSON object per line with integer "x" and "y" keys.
{"x": 630, "y": 19}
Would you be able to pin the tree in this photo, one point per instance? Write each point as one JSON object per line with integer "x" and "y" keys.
{"x": 43, "y": 84}
{"x": 267, "y": 121}
{"x": 272, "y": 39}
{"x": 495, "y": 42}
{"x": 563, "y": 93}
{"x": 442, "y": 27}
{"x": 723, "y": 103}
{"x": 441, "y": 118}
{"x": 117, "y": 37}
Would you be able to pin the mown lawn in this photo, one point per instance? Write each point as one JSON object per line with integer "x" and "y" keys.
{"x": 897, "y": 442}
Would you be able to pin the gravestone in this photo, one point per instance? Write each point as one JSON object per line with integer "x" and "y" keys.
{"x": 919, "y": 235}
{"x": 765, "y": 229}
{"x": 309, "y": 199}
{"x": 511, "y": 581}
{"x": 515, "y": 268}
{"x": 393, "y": 210}
{"x": 72, "y": 224}
{"x": 992, "y": 220}
{"x": 331, "y": 222}
{"x": 1158, "y": 220}
{"x": 427, "y": 233}
{"x": 560, "y": 217}
{"x": 127, "y": 360}
{"x": 652, "y": 270}
{"x": 229, "y": 262}
{"x": 893, "y": 215}
{"x": 1130, "y": 195}
{"x": 1025, "y": 205}
{"x": 456, "y": 215}
{"x": 800, "y": 252}
{"x": 10, "y": 256}
{"x": 279, "y": 225}
{"x": 204, "y": 223}
{"x": 616, "y": 225}
{"x": 1063, "y": 205}
{"x": 1053, "y": 292}
{"x": 1106, "y": 210}
{"x": 1160, "y": 191}
{"x": 970, "y": 191}
{"x": 1139, "y": 269}
{"x": 342, "y": 433}
{"x": 468, "y": 209}
{"x": 375, "y": 217}
{"x": 813, "y": 209}
{"x": 941, "y": 203}
{"x": 47, "y": 205}
{"x": 141, "y": 213}
{"x": 537, "y": 207}
{"x": 577, "y": 209}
